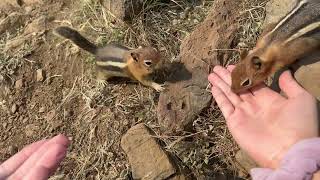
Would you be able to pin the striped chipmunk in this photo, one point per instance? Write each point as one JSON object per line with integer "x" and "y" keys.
{"x": 114, "y": 60}
{"x": 295, "y": 36}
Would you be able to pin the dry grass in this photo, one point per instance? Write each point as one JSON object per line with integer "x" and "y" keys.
{"x": 115, "y": 108}
{"x": 251, "y": 21}
{"x": 104, "y": 115}
{"x": 209, "y": 149}
{"x": 11, "y": 61}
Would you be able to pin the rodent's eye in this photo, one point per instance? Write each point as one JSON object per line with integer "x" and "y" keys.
{"x": 247, "y": 82}
{"x": 148, "y": 62}
{"x": 256, "y": 61}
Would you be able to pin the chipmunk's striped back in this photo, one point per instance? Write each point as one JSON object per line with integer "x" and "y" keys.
{"x": 302, "y": 20}
{"x": 295, "y": 36}
{"x": 114, "y": 60}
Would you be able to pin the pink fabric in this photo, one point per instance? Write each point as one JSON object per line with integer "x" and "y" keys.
{"x": 300, "y": 163}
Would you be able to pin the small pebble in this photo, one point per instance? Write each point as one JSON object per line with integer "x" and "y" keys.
{"x": 19, "y": 84}
{"x": 14, "y": 108}
{"x": 5, "y": 125}
{"x": 40, "y": 75}
{"x": 42, "y": 109}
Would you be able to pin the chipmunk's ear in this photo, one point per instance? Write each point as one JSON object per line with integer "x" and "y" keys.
{"x": 243, "y": 53}
{"x": 135, "y": 56}
{"x": 257, "y": 63}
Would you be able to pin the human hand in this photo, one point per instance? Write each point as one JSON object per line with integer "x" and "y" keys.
{"x": 264, "y": 123}
{"x": 36, "y": 161}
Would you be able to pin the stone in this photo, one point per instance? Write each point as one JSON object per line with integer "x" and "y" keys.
{"x": 307, "y": 73}
{"x": 146, "y": 157}
{"x": 42, "y": 110}
{"x": 179, "y": 177}
{"x": 37, "y": 25}
{"x": 28, "y": 9}
{"x": 25, "y": 120}
{"x": 245, "y": 162}
{"x": 19, "y": 84}
{"x": 30, "y": 129}
{"x": 185, "y": 99}
{"x": 5, "y": 125}
{"x": 276, "y": 9}
{"x": 12, "y": 150}
{"x": 14, "y": 108}
{"x": 32, "y": 2}
{"x": 50, "y": 115}
{"x": 11, "y": 22}
{"x": 40, "y": 75}
{"x": 6, "y": 4}
{"x": 17, "y": 42}
{"x": 123, "y": 9}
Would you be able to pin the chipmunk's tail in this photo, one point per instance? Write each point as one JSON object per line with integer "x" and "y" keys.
{"x": 76, "y": 38}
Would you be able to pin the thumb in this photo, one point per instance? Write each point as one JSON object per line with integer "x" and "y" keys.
{"x": 289, "y": 85}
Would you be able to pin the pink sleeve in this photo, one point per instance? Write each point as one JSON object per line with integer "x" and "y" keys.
{"x": 300, "y": 163}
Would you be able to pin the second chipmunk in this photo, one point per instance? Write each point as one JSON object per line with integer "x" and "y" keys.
{"x": 115, "y": 60}
{"x": 295, "y": 36}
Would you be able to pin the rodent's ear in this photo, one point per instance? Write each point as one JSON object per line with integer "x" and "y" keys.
{"x": 243, "y": 53}
{"x": 257, "y": 63}
{"x": 135, "y": 56}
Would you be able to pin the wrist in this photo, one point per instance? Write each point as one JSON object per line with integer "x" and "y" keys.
{"x": 300, "y": 162}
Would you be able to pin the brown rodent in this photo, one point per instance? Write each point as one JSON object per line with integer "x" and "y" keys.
{"x": 295, "y": 36}
{"x": 114, "y": 60}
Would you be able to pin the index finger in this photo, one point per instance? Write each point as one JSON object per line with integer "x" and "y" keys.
{"x": 13, "y": 163}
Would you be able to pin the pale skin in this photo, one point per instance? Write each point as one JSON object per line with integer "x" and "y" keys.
{"x": 264, "y": 123}
{"x": 36, "y": 161}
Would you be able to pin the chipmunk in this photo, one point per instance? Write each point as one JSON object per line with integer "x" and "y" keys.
{"x": 114, "y": 60}
{"x": 281, "y": 44}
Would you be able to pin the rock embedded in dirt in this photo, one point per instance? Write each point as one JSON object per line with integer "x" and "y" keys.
{"x": 5, "y": 125}
{"x": 30, "y": 129}
{"x": 37, "y": 25}
{"x": 245, "y": 162}
{"x": 7, "y": 4}
{"x": 123, "y": 9}
{"x": 19, "y": 84}
{"x": 147, "y": 159}
{"x": 11, "y": 22}
{"x": 40, "y": 75}
{"x": 32, "y": 2}
{"x": 42, "y": 110}
{"x": 307, "y": 73}
{"x": 276, "y": 9}
{"x": 14, "y": 108}
{"x": 184, "y": 100}
{"x": 11, "y": 150}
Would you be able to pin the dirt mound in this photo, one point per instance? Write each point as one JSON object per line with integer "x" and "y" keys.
{"x": 184, "y": 100}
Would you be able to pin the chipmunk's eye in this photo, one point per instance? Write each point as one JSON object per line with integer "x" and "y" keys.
{"x": 148, "y": 62}
{"x": 256, "y": 61}
{"x": 247, "y": 82}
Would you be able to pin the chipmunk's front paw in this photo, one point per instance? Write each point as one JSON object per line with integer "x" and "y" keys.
{"x": 159, "y": 87}
{"x": 101, "y": 83}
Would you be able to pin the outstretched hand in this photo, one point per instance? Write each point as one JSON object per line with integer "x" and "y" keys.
{"x": 264, "y": 123}
{"x": 36, "y": 161}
